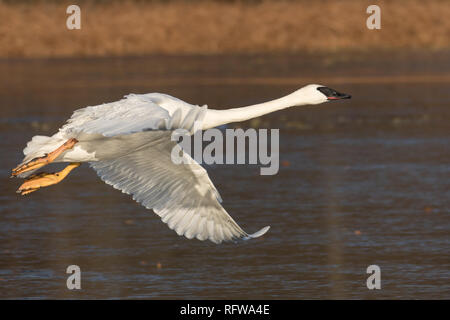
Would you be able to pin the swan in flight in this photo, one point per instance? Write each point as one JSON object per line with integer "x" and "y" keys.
{"x": 128, "y": 143}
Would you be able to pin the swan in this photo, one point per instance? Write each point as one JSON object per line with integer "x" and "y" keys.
{"x": 128, "y": 143}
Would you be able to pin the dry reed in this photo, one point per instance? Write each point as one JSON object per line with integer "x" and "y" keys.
{"x": 201, "y": 27}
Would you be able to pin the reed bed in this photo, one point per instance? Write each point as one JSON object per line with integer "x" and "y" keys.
{"x": 121, "y": 28}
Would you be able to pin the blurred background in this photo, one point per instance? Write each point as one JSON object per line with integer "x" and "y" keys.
{"x": 363, "y": 181}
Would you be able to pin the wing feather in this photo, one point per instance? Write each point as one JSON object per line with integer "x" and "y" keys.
{"x": 135, "y": 113}
{"x": 181, "y": 194}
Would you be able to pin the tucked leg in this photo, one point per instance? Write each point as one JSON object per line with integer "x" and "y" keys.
{"x": 37, "y": 163}
{"x": 40, "y": 180}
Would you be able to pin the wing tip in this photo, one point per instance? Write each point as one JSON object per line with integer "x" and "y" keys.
{"x": 257, "y": 234}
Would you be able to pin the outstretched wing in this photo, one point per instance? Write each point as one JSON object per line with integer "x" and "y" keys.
{"x": 135, "y": 113}
{"x": 181, "y": 194}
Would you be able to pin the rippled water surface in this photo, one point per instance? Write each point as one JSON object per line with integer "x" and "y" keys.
{"x": 364, "y": 181}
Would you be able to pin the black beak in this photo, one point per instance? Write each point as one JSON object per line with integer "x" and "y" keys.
{"x": 332, "y": 94}
{"x": 339, "y": 96}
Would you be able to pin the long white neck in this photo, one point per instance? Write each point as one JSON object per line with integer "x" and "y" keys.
{"x": 215, "y": 118}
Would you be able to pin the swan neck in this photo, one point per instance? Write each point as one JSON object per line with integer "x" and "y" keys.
{"x": 216, "y": 118}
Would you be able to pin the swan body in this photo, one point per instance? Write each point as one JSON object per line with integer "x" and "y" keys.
{"x": 128, "y": 144}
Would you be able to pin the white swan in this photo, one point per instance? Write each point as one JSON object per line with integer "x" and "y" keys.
{"x": 128, "y": 144}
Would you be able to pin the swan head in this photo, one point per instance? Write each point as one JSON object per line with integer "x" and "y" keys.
{"x": 316, "y": 94}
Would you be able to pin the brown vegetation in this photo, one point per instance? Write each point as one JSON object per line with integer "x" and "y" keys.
{"x": 202, "y": 27}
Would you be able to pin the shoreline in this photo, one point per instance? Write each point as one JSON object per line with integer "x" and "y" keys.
{"x": 126, "y": 28}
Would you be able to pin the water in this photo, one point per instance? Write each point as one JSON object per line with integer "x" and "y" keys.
{"x": 363, "y": 181}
